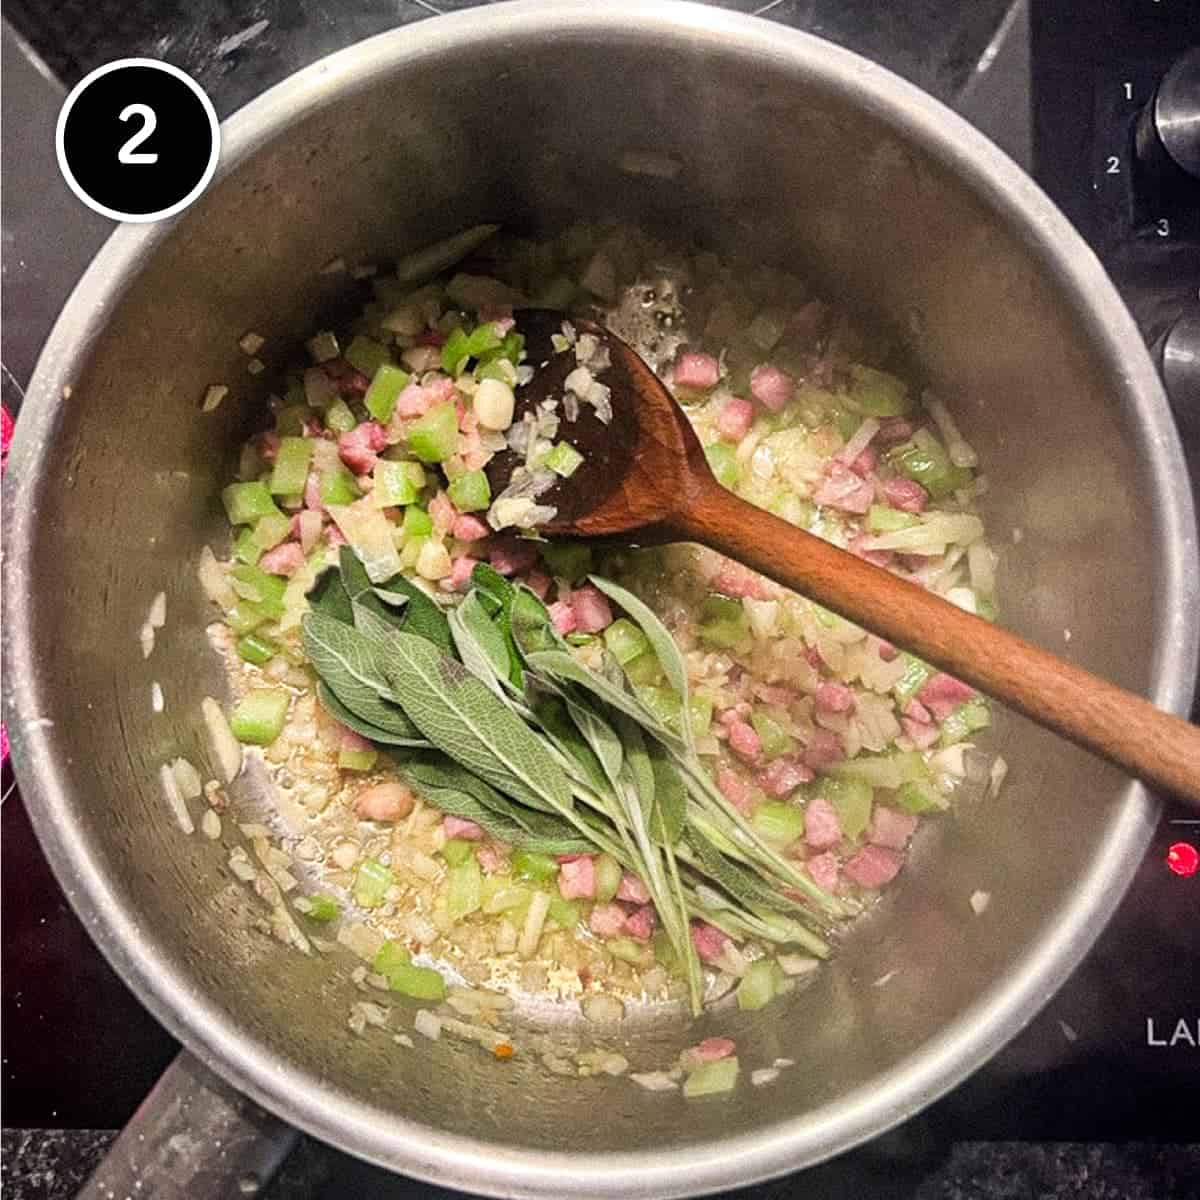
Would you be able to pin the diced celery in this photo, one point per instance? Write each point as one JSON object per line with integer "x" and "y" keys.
{"x": 608, "y": 878}
{"x": 701, "y": 711}
{"x": 289, "y": 422}
{"x": 882, "y": 519}
{"x": 759, "y": 985}
{"x": 386, "y": 385}
{"x": 323, "y": 907}
{"x": 663, "y": 702}
{"x": 846, "y": 422}
{"x": 470, "y": 491}
{"x": 564, "y": 913}
{"x": 271, "y": 530}
{"x": 366, "y": 355}
{"x": 338, "y": 486}
{"x": 245, "y": 616}
{"x": 411, "y": 552}
{"x": 778, "y": 823}
{"x": 851, "y": 800}
{"x": 455, "y": 353}
{"x": 916, "y": 675}
{"x": 339, "y": 418}
{"x": 456, "y": 851}
{"x": 357, "y": 760}
{"x": 254, "y": 648}
{"x": 775, "y": 739}
{"x": 580, "y": 639}
{"x": 433, "y": 438}
{"x": 712, "y": 1078}
{"x": 246, "y": 502}
{"x": 722, "y": 461}
{"x": 966, "y": 719}
{"x": 259, "y": 716}
{"x": 563, "y": 460}
{"x": 877, "y": 393}
{"x": 529, "y": 864}
{"x": 421, "y": 983}
{"x": 918, "y": 796}
{"x": 627, "y": 950}
{"x": 290, "y": 472}
{"x": 883, "y": 770}
{"x": 509, "y": 898}
{"x": 391, "y": 957}
{"x": 793, "y": 509}
{"x": 267, "y": 590}
{"x": 417, "y": 522}
{"x": 723, "y": 623}
{"x": 625, "y": 641}
{"x": 371, "y": 883}
{"x": 985, "y": 608}
{"x": 245, "y": 548}
{"x": 397, "y": 483}
{"x": 767, "y": 328}
{"x": 463, "y": 886}
{"x": 483, "y": 339}
{"x": 925, "y": 460}
{"x": 567, "y": 560}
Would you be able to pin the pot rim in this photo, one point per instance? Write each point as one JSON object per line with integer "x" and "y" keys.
{"x": 199, "y": 1021}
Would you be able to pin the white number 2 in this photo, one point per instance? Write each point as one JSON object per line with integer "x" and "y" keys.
{"x": 129, "y": 152}
{"x": 1114, "y": 165}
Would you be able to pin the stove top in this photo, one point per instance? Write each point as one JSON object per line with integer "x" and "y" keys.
{"x": 1113, "y": 1056}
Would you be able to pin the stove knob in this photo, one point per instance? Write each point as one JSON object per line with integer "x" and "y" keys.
{"x": 1180, "y": 365}
{"x": 1168, "y": 129}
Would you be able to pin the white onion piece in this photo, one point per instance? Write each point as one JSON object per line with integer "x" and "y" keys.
{"x": 602, "y": 1009}
{"x": 859, "y": 441}
{"x": 213, "y": 396}
{"x": 654, "y": 1081}
{"x": 226, "y": 748}
{"x": 146, "y": 638}
{"x": 764, "y": 1075}
{"x": 157, "y": 703}
{"x": 213, "y": 580}
{"x": 428, "y": 1024}
{"x": 174, "y": 800}
{"x": 960, "y": 452}
{"x": 535, "y": 918}
{"x": 980, "y": 901}
{"x": 188, "y": 779}
{"x": 210, "y": 824}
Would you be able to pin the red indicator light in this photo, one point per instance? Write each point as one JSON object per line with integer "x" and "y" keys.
{"x": 1183, "y": 858}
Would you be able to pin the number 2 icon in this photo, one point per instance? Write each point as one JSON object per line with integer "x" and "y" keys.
{"x": 129, "y": 152}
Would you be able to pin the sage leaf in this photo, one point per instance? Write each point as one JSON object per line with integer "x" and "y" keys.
{"x": 472, "y": 725}
{"x": 347, "y": 664}
{"x": 670, "y": 796}
{"x": 340, "y": 713}
{"x": 670, "y": 657}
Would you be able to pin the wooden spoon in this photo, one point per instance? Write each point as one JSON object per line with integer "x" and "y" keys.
{"x": 645, "y": 477}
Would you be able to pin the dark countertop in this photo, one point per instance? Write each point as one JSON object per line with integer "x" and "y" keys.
{"x": 50, "y": 1164}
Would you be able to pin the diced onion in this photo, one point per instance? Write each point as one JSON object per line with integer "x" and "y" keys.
{"x": 960, "y": 452}
{"x": 213, "y": 580}
{"x": 764, "y": 1075}
{"x": 146, "y": 639}
{"x": 980, "y": 901}
{"x": 361, "y": 939}
{"x": 213, "y": 396}
{"x": 188, "y": 779}
{"x": 535, "y": 918}
{"x": 210, "y": 824}
{"x": 157, "y": 703}
{"x": 428, "y": 1024}
{"x": 602, "y": 1009}
{"x": 251, "y": 343}
{"x": 997, "y": 776}
{"x": 654, "y": 1081}
{"x": 174, "y": 800}
{"x": 226, "y": 748}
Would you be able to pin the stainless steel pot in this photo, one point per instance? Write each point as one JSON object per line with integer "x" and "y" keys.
{"x": 792, "y": 149}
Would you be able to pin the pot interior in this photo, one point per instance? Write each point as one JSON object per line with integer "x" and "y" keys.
{"x": 782, "y": 158}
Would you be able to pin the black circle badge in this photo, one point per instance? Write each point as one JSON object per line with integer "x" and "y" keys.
{"x": 137, "y": 140}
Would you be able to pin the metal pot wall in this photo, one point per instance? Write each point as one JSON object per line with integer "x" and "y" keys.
{"x": 792, "y": 150}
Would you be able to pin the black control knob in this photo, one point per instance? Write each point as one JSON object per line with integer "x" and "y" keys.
{"x": 1179, "y": 361}
{"x": 1168, "y": 129}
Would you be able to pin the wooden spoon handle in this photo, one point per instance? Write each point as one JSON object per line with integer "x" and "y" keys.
{"x": 1098, "y": 715}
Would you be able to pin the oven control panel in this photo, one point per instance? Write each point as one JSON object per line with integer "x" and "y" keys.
{"x": 1116, "y": 102}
